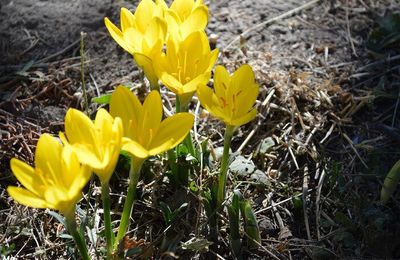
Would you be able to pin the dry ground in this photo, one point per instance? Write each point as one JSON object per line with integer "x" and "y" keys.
{"x": 328, "y": 105}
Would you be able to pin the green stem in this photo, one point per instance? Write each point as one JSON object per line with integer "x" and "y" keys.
{"x": 78, "y": 238}
{"x": 188, "y": 141}
{"x": 134, "y": 173}
{"x": 224, "y": 165}
{"x": 154, "y": 84}
{"x": 105, "y": 195}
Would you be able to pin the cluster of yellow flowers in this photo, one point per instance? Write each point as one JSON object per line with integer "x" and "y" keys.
{"x": 61, "y": 171}
{"x": 171, "y": 46}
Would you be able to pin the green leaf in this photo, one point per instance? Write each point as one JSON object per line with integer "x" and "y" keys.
{"x": 390, "y": 183}
{"x": 60, "y": 218}
{"x": 167, "y": 213}
{"x": 251, "y": 225}
{"x": 234, "y": 223}
{"x": 103, "y": 99}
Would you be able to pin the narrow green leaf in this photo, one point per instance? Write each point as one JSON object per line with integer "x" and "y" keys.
{"x": 234, "y": 223}
{"x": 251, "y": 226}
{"x": 103, "y": 99}
{"x": 57, "y": 216}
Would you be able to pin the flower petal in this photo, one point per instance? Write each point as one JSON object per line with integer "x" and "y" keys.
{"x": 127, "y": 19}
{"x": 117, "y": 35}
{"x": 48, "y": 158}
{"x": 171, "y": 83}
{"x": 221, "y": 81}
{"x": 246, "y": 99}
{"x": 172, "y": 132}
{"x": 150, "y": 118}
{"x": 144, "y": 13}
{"x": 134, "y": 148}
{"x": 196, "y": 21}
{"x": 26, "y": 198}
{"x": 27, "y": 176}
{"x": 125, "y": 105}
{"x": 182, "y": 7}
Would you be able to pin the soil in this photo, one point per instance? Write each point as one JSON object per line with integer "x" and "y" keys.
{"x": 310, "y": 66}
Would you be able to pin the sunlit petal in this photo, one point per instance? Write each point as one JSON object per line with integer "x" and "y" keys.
{"x": 125, "y": 105}
{"x": 27, "y": 176}
{"x": 26, "y": 197}
{"x": 172, "y": 132}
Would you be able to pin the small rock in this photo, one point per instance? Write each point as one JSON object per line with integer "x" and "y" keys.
{"x": 260, "y": 177}
{"x": 242, "y": 166}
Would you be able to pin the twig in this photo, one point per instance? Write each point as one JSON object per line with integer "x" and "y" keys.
{"x": 354, "y": 149}
{"x": 82, "y": 50}
{"x": 281, "y": 16}
{"x": 59, "y": 52}
{"x": 281, "y": 202}
{"x": 304, "y": 197}
{"x": 348, "y": 29}
{"x": 249, "y": 136}
{"x": 317, "y": 201}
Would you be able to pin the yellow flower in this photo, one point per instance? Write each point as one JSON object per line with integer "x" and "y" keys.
{"x": 145, "y": 133}
{"x": 185, "y": 17}
{"x": 97, "y": 144}
{"x": 234, "y": 96}
{"x": 186, "y": 64}
{"x": 55, "y": 182}
{"x": 142, "y": 34}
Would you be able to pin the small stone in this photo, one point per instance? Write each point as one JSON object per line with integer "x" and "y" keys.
{"x": 260, "y": 177}
{"x": 241, "y": 166}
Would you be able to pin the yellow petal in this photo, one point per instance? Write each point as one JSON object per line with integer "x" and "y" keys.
{"x": 210, "y": 102}
{"x": 241, "y": 78}
{"x": 117, "y": 35}
{"x": 246, "y": 99}
{"x": 171, "y": 83}
{"x": 26, "y": 198}
{"x": 48, "y": 158}
{"x": 146, "y": 64}
{"x": 201, "y": 79}
{"x": 79, "y": 128}
{"x": 125, "y": 105}
{"x": 133, "y": 38}
{"x": 156, "y": 30}
{"x": 144, "y": 14}
{"x": 182, "y": 7}
{"x": 151, "y": 117}
{"x": 134, "y": 148}
{"x": 172, "y": 132}
{"x": 173, "y": 21}
{"x": 76, "y": 176}
{"x": 212, "y": 59}
{"x": 56, "y": 197}
{"x": 127, "y": 19}
{"x": 244, "y": 119}
{"x": 27, "y": 176}
{"x": 196, "y": 21}
{"x": 103, "y": 124}
{"x": 221, "y": 81}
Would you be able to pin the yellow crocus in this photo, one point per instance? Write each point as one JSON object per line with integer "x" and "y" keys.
{"x": 145, "y": 133}
{"x": 185, "y": 17}
{"x": 97, "y": 144}
{"x": 55, "y": 182}
{"x": 142, "y": 34}
{"x": 186, "y": 64}
{"x": 234, "y": 96}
